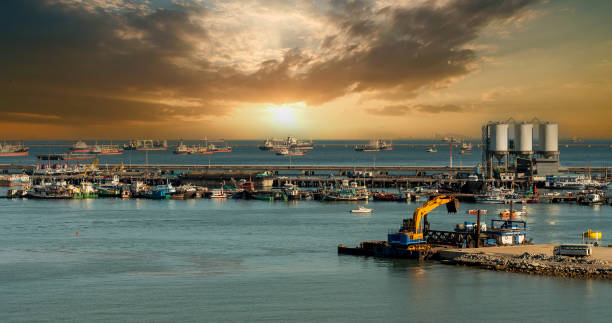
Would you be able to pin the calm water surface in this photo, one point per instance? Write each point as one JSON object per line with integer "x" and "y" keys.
{"x": 206, "y": 260}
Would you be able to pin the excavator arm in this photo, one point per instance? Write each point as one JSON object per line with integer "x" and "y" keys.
{"x": 412, "y": 229}
{"x": 91, "y": 166}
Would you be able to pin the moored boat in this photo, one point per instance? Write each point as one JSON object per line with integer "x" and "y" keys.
{"x": 13, "y": 150}
{"x": 361, "y": 209}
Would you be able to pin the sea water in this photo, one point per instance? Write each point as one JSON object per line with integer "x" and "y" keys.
{"x": 241, "y": 261}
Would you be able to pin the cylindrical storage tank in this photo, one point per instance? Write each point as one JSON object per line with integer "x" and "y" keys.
{"x": 549, "y": 137}
{"x": 499, "y": 137}
{"x": 523, "y": 138}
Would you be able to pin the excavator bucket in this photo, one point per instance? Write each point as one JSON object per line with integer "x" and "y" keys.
{"x": 452, "y": 206}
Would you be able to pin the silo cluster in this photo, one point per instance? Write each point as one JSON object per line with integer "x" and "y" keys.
{"x": 511, "y": 143}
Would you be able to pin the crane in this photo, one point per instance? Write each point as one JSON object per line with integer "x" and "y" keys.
{"x": 92, "y": 166}
{"x": 118, "y": 167}
{"x": 411, "y": 232}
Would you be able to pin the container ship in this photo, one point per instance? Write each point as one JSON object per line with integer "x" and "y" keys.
{"x": 375, "y": 145}
{"x": 9, "y": 150}
{"x": 146, "y": 144}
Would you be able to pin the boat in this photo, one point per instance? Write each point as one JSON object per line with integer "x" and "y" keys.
{"x": 218, "y": 194}
{"x": 181, "y": 149}
{"x": 431, "y": 150}
{"x": 379, "y": 196}
{"x": 15, "y": 180}
{"x": 146, "y": 144}
{"x": 80, "y": 147}
{"x": 592, "y": 197}
{"x": 186, "y": 191}
{"x": 290, "y": 152}
{"x": 160, "y": 192}
{"x": 106, "y": 150}
{"x": 361, "y": 209}
{"x": 476, "y": 211}
{"x": 580, "y": 182}
{"x": 375, "y": 145}
{"x": 512, "y": 214}
{"x": 49, "y": 191}
{"x": 13, "y": 150}
{"x": 346, "y": 192}
{"x": 218, "y": 149}
{"x": 493, "y": 196}
{"x": 290, "y": 143}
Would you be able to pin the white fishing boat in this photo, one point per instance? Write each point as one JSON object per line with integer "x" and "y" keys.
{"x": 361, "y": 209}
{"x": 218, "y": 194}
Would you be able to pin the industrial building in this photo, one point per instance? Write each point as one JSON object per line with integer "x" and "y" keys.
{"x": 508, "y": 148}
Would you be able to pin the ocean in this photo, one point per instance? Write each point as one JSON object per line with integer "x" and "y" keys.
{"x": 235, "y": 261}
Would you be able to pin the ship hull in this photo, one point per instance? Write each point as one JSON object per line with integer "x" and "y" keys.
{"x": 14, "y": 154}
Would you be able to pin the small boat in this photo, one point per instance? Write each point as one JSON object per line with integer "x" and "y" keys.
{"x": 290, "y": 152}
{"x": 218, "y": 194}
{"x": 476, "y": 211}
{"x": 361, "y": 209}
{"x": 431, "y": 150}
{"x": 512, "y": 214}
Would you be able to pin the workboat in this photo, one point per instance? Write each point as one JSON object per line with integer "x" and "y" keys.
{"x": 361, "y": 209}
{"x": 290, "y": 143}
{"x": 12, "y": 150}
{"x": 374, "y": 145}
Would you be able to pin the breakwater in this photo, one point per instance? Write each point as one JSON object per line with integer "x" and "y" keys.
{"x": 533, "y": 259}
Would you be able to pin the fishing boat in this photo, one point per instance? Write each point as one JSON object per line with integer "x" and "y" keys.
{"x": 13, "y": 150}
{"x": 379, "y": 196}
{"x": 493, "y": 196}
{"x": 15, "y": 180}
{"x": 346, "y": 192}
{"x": 160, "y": 192}
{"x": 361, "y": 209}
{"x": 218, "y": 194}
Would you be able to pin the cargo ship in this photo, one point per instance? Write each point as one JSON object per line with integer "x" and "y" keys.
{"x": 293, "y": 143}
{"x": 146, "y": 144}
{"x": 106, "y": 150}
{"x": 375, "y": 145}
{"x": 11, "y": 150}
{"x": 80, "y": 147}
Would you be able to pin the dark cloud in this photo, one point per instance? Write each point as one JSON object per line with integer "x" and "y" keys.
{"x": 400, "y": 109}
{"x": 89, "y": 66}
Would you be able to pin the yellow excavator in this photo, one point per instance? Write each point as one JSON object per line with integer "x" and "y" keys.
{"x": 90, "y": 166}
{"x": 411, "y": 232}
{"x": 118, "y": 168}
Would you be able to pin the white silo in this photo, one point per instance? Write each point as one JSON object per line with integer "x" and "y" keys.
{"x": 549, "y": 139}
{"x": 523, "y": 138}
{"x": 499, "y": 137}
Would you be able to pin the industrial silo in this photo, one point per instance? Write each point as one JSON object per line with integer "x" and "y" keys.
{"x": 549, "y": 139}
{"x": 523, "y": 138}
{"x": 499, "y": 138}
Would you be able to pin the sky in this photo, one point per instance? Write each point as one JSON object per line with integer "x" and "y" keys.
{"x": 322, "y": 69}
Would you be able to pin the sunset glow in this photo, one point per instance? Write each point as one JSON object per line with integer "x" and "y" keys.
{"x": 213, "y": 68}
